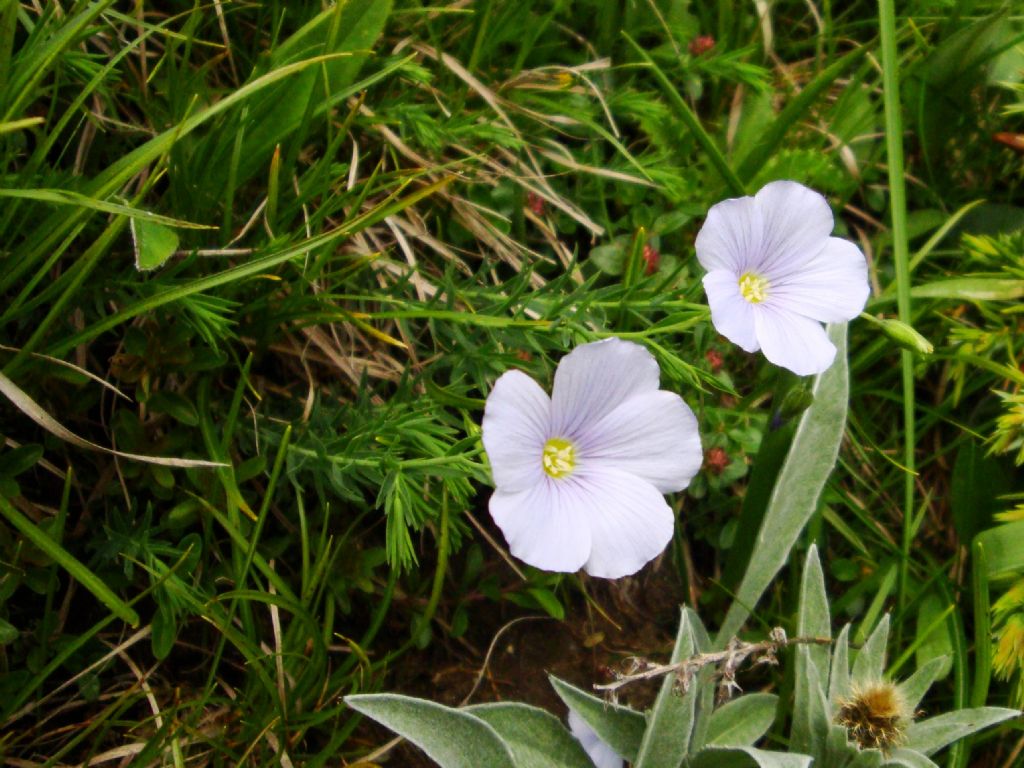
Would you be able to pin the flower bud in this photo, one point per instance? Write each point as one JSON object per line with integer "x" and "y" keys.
{"x": 904, "y": 335}
{"x": 652, "y": 259}
{"x": 535, "y": 203}
{"x": 716, "y": 460}
{"x": 715, "y": 360}
{"x": 701, "y": 44}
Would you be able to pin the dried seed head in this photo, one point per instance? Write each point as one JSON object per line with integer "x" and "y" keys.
{"x": 875, "y": 715}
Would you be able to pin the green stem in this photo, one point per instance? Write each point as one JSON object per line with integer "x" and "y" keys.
{"x": 898, "y": 212}
{"x": 442, "y": 560}
{"x": 430, "y": 461}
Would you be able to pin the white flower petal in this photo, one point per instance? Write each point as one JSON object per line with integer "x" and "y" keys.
{"x": 515, "y": 426}
{"x": 630, "y": 523}
{"x": 793, "y": 341}
{"x": 732, "y": 236}
{"x": 602, "y": 755}
{"x": 797, "y": 223}
{"x": 731, "y": 314}
{"x": 594, "y": 378}
{"x": 546, "y": 525}
{"x": 833, "y": 287}
{"x": 653, "y": 436}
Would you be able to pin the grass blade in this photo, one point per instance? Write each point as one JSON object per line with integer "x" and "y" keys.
{"x": 776, "y": 131}
{"x": 69, "y": 563}
{"x": 686, "y": 115}
{"x": 40, "y": 416}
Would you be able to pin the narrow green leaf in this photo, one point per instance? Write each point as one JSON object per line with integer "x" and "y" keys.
{"x": 18, "y": 125}
{"x": 869, "y": 758}
{"x": 931, "y": 735}
{"x": 742, "y": 721}
{"x": 948, "y": 223}
{"x": 794, "y": 500}
{"x": 35, "y": 63}
{"x": 976, "y": 486}
{"x": 869, "y": 666}
{"x": 916, "y": 686}
{"x": 810, "y": 709}
{"x": 667, "y": 738}
{"x": 705, "y": 704}
{"x": 1004, "y": 549}
{"x": 771, "y": 455}
{"x": 839, "y": 677}
{"x": 743, "y": 757}
{"x": 837, "y": 747}
{"x": 610, "y": 258}
{"x": 877, "y": 606}
{"x": 69, "y": 563}
{"x": 536, "y": 738}
{"x": 908, "y": 758}
{"x": 40, "y": 416}
{"x": 153, "y": 244}
{"x": 619, "y": 727}
{"x": 347, "y": 32}
{"x": 982, "y": 601}
{"x": 20, "y": 459}
{"x": 8, "y": 632}
{"x": 164, "y": 631}
{"x": 965, "y": 289}
{"x": 453, "y": 739}
{"x": 247, "y": 269}
{"x": 175, "y": 405}
{"x": 547, "y": 600}
{"x": 932, "y": 635}
{"x": 8, "y": 28}
{"x": 69, "y": 197}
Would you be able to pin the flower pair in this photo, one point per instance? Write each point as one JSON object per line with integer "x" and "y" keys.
{"x": 580, "y": 476}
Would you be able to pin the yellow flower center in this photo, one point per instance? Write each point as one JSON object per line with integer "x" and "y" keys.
{"x": 753, "y": 288}
{"x": 559, "y": 457}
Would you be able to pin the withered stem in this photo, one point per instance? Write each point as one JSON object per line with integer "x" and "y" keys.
{"x": 727, "y": 661}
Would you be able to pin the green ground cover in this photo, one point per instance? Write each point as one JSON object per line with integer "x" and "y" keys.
{"x": 288, "y": 247}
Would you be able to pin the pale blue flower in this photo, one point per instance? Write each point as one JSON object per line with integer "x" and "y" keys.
{"x": 602, "y": 755}
{"x": 775, "y": 275}
{"x": 579, "y": 476}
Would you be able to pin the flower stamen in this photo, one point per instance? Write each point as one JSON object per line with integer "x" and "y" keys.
{"x": 754, "y": 288}
{"x": 559, "y": 457}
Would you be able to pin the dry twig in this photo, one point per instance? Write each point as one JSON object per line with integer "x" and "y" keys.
{"x": 728, "y": 661}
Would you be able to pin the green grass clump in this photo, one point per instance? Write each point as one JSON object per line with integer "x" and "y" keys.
{"x": 288, "y": 247}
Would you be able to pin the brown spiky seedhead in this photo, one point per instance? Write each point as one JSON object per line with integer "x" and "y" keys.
{"x": 875, "y": 715}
